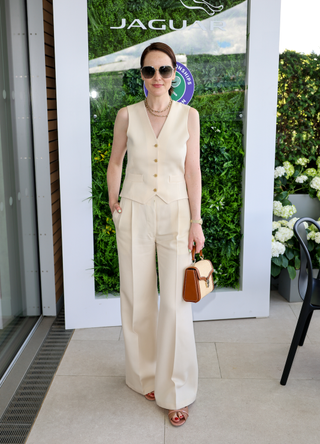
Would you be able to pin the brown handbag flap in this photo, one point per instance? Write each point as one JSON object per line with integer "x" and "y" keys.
{"x": 203, "y": 268}
{"x": 191, "y": 290}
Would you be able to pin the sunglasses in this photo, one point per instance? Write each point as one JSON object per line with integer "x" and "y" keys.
{"x": 149, "y": 71}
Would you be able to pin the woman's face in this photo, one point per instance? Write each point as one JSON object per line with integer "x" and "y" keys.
{"x": 157, "y": 85}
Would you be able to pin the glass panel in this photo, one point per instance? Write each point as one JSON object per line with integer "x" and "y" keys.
{"x": 209, "y": 40}
{"x": 19, "y": 277}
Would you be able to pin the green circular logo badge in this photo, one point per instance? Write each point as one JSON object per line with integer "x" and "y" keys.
{"x": 179, "y": 87}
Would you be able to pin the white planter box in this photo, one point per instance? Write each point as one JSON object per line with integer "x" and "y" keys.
{"x": 288, "y": 288}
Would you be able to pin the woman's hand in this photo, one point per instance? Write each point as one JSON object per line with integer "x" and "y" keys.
{"x": 196, "y": 236}
{"x": 114, "y": 207}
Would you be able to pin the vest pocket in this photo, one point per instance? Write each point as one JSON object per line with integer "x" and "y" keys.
{"x": 135, "y": 177}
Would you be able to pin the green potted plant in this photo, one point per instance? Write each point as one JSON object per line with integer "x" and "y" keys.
{"x": 285, "y": 252}
{"x": 296, "y": 189}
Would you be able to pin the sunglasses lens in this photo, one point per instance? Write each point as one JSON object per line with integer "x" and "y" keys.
{"x": 148, "y": 72}
{"x": 165, "y": 71}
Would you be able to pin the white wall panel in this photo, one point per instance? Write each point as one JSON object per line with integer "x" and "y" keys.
{"x": 41, "y": 154}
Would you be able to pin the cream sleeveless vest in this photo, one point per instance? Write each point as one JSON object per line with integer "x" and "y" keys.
{"x": 156, "y": 166}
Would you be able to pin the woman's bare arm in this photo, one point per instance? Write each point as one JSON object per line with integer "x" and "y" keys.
{"x": 193, "y": 179}
{"x": 119, "y": 147}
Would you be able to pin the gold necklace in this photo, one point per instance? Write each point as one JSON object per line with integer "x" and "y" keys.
{"x": 153, "y": 111}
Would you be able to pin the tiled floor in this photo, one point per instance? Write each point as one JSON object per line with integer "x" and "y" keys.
{"x": 239, "y": 400}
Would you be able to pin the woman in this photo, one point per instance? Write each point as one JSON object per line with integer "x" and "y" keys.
{"x": 159, "y": 212}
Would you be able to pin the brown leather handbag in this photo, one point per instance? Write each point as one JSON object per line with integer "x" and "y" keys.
{"x": 198, "y": 279}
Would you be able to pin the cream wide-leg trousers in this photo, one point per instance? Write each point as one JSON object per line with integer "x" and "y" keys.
{"x": 159, "y": 344}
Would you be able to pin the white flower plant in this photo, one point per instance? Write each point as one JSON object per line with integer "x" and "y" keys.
{"x": 285, "y": 249}
{"x": 290, "y": 179}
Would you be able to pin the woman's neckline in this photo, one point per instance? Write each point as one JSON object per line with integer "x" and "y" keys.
{"x": 165, "y": 123}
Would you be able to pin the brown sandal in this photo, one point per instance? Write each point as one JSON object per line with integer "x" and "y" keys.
{"x": 150, "y": 396}
{"x": 179, "y": 421}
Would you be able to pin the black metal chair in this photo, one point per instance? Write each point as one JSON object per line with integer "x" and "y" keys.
{"x": 309, "y": 290}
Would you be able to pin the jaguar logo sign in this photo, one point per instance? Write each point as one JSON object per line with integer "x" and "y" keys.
{"x": 161, "y": 25}
{"x": 206, "y": 6}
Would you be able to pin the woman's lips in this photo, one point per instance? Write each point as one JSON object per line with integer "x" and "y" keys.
{"x": 156, "y": 85}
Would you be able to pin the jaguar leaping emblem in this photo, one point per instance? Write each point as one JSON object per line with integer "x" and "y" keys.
{"x": 206, "y": 6}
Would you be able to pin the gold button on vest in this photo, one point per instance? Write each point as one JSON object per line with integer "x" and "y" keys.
{"x": 141, "y": 169}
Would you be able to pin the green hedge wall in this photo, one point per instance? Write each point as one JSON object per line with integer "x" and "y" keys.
{"x": 219, "y": 98}
{"x": 298, "y": 120}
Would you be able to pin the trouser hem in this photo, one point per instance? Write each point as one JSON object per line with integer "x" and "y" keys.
{"x": 167, "y": 407}
{"x": 141, "y": 392}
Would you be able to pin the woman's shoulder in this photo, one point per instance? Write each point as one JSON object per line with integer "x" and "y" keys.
{"x": 193, "y": 119}
{"x": 128, "y": 108}
{"x": 192, "y": 113}
{"x": 122, "y": 118}
{"x": 187, "y": 108}
{"x": 123, "y": 112}
{"x": 135, "y": 105}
